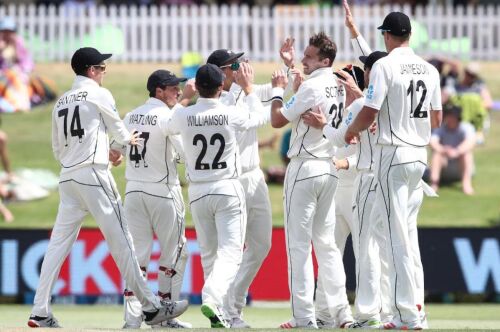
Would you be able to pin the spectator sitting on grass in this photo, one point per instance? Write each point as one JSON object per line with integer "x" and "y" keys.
{"x": 452, "y": 150}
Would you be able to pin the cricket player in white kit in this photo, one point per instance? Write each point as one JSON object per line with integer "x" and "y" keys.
{"x": 346, "y": 162}
{"x": 259, "y": 218}
{"x": 208, "y": 130}
{"x": 80, "y": 121}
{"x": 258, "y": 205}
{"x": 405, "y": 97}
{"x": 365, "y": 233}
{"x": 154, "y": 203}
{"x": 310, "y": 184}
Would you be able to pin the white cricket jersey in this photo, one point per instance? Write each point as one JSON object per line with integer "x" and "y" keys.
{"x": 321, "y": 91}
{"x": 155, "y": 160}
{"x": 247, "y": 140}
{"x": 208, "y": 131}
{"x": 366, "y": 145}
{"x": 405, "y": 89}
{"x": 80, "y": 122}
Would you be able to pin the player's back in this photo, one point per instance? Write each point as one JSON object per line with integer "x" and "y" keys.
{"x": 79, "y": 135}
{"x": 329, "y": 97}
{"x": 155, "y": 159}
{"x": 412, "y": 87}
{"x": 208, "y": 131}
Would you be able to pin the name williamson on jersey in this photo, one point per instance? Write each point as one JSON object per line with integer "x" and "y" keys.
{"x": 207, "y": 120}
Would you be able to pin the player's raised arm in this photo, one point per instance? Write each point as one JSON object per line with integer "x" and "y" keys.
{"x": 361, "y": 47}
{"x": 287, "y": 52}
{"x": 301, "y": 102}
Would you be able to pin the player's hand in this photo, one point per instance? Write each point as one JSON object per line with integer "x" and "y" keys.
{"x": 287, "y": 52}
{"x": 351, "y": 137}
{"x": 115, "y": 157}
{"x": 189, "y": 90}
{"x": 341, "y": 164}
{"x": 373, "y": 128}
{"x": 314, "y": 118}
{"x": 297, "y": 79}
{"x": 349, "y": 19}
{"x": 279, "y": 79}
{"x": 135, "y": 138}
{"x": 244, "y": 77}
{"x": 347, "y": 81}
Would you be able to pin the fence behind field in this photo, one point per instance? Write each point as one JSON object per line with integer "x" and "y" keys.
{"x": 144, "y": 34}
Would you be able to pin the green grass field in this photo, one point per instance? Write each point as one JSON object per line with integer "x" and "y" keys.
{"x": 30, "y": 147}
{"x": 99, "y": 317}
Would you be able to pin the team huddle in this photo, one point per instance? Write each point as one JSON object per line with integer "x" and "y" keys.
{"x": 357, "y": 156}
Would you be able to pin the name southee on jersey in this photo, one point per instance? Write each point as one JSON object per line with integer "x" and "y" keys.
{"x": 334, "y": 91}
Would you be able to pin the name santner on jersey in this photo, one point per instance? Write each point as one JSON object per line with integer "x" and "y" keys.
{"x": 71, "y": 98}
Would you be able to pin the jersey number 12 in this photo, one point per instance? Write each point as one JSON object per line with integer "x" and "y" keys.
{"x": 417, "y": 112}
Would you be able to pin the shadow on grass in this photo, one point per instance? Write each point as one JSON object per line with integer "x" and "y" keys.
{"x": 494, "y": 222}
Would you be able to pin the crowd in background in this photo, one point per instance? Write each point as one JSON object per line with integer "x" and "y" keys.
{"x": 467, "y": 102}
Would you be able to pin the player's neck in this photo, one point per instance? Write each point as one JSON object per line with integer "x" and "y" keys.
{"x": 391, "y": 47}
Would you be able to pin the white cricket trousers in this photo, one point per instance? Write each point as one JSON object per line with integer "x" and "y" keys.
{"x": 219, "y": 215}
{"x": 368, "y": 264}
{"x": 84, "y": 190}
{"x": 343, "y": 227}
{"x": 156, "y": 208}
{"x": 415, "y": 203}
{"x": 257, "y": 239}
{"x": 399, "y": 171}
{"x": 309, "y": 190}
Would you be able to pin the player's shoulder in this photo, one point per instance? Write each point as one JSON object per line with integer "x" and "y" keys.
{"x": 100, "y": 95}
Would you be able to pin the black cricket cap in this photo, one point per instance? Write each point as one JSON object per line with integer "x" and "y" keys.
{"x": 162, "y": 78}
{"x": 397, "y": 24}
{"x": 373, "y": 57}
{"x": 223, "y": 57}
{"x": 209, "y": 76}
{"x": 357, "y": 73}
{"x": 86, "y": 57}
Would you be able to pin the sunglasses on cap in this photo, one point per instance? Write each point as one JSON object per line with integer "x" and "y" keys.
{"x": 234, "y": 66}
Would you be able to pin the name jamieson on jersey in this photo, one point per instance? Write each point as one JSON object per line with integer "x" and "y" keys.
{"x": 207, "y": 120}
{"x": 414, "y": 69}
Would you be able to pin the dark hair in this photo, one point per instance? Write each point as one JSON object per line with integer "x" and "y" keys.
{"x": 81, "y": 70}
{"x": 207, "y": 92}
{"x": 326, "y": 47}
{"x": 153, "y": 93}
{"x": 452, "y": 110}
